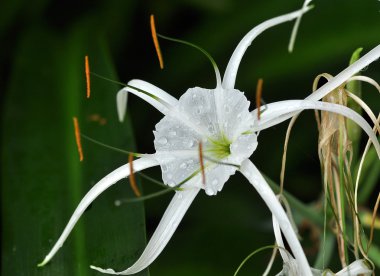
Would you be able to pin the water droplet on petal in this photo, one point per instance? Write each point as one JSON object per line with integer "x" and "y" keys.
{"x": 162, "y": 141}
{"x": 227, "y": 109}
{"x": 214, "y": 182}
{"x": 211, "y": 128}
{"x": 183, "y": 165}
{"x": 194, "y": 96}
{"x": 199, "y": 109}
{"x": 180, "y": 196}
{"x": 191, "y": 161}
{"x": 164, "y": 168}
{"x": 172, "y": 133}
{"x": 171, "y": 183}
{"x": 169, "y": 176}
{"x": 209, "y": 191}
{"x": 190, "y": 143}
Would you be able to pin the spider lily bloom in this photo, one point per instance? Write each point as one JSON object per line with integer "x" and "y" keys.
{"x": 290, "y": 266}
{"x": 220, "y": 120}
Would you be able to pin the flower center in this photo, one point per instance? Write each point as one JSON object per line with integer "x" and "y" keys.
{"x": 218, "y": 148}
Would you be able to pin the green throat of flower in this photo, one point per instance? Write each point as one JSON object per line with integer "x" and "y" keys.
{"x": 218, "y": 148}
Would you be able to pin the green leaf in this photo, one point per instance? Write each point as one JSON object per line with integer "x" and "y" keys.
{"x": 42, "y": 177}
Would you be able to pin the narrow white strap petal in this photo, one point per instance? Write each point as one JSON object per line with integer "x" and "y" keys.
{"x": 140, "y": 164}
{"x": 295, "y": 28}
{"x": 166, "y": 228}
{"x": 279, "y": 241}
{"x": 146, "y": 91}
{"x": 233, "y": 65}
{"x": 346, "y": 74}
{"x": 279, "y": 111}
{"x": 358, "y": 267}
{"x": 257, "y": 180}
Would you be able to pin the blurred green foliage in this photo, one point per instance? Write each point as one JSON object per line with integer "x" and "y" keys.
{"x": 42, "y": 88}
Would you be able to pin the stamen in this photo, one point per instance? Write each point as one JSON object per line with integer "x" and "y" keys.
{"x": 202, "y": 164}
{"x": 132, "y": 179}
{"x": 155, "y": 41}
{"x": 87, "y": 71}
{"x": 77, "y": 138}
{"x": 259, "y": 89}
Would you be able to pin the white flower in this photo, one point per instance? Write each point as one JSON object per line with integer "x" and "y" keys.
{"x": 219, "y": 119}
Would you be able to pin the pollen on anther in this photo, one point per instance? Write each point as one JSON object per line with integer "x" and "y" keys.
{"x": 155, "y": 41}
{"x": 132, "y": 179}
{"x": 77, "y": 138}
{"x": 202, "y": 164}
{"x": 259, "y": 89}
{"x": 87, "y": 71}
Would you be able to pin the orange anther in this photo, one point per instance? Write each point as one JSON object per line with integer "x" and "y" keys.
{"x": 77, "y": 138}
{"x": 132, "y": 179}
{"x": 155, "y": 41}
{"x": 259, "y": 89}
{"x": 87, "y": 71}
{"x": 202, "y": 164}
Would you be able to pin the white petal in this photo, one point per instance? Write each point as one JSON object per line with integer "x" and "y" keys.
{"x": 153, "y": 95}
{"x": 256, "y": 179}
{"x": 233, "y": 65}
{"x": 346, "y": 74}
{"x": 295, "y": 28}
{"x": 341, "y": 78}
{"x": 107, "y": 181}
{"x": 279, "y": 241}
{"x": 166, "y": 228}
{"x": 358, "y": 267}
{"x": 279, "y": 111}
{"x": 236, "y": 116}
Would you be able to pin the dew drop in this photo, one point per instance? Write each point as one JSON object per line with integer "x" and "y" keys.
{"x": 172, "y": 133}
{"x": 194, "y": 96}
{"x": 183, "y": 165}
{"x": 180, "y": 196}
{"x": 209, "y": 191}
{"x": 162, "y": 141}
{"x": 227, "y": 109}
{"x": 191, "y": 161}
{"x": 164, "y": 168}
{"x": 211, "y": 128}
{"x": 199, "y": 109}
{"x": 117, "y": 203}
{"x": 169, "y": 176}
{"x": 190, "y": 143}
{"x": 171, "y": 183}
{"x": 214, "y": 182}
{"x": 239, "y": 116}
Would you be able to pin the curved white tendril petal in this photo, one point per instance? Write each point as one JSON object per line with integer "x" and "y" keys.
{"x": 296, "y": 26}
{"x": 278, "y": 112}
{"x": 279, "y": 241}
{"x": 358, "y": 267}
{"x": 346, "y": 74}
{"x": 233, "y": 65}
{"x": 144, "y": 162}
{"x": 253, "y": 175}
{"x": 157, "y": 97}
{"x": 166, "y": 228}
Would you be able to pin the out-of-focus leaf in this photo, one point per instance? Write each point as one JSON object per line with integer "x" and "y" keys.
{"x": 42, "y": 178}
